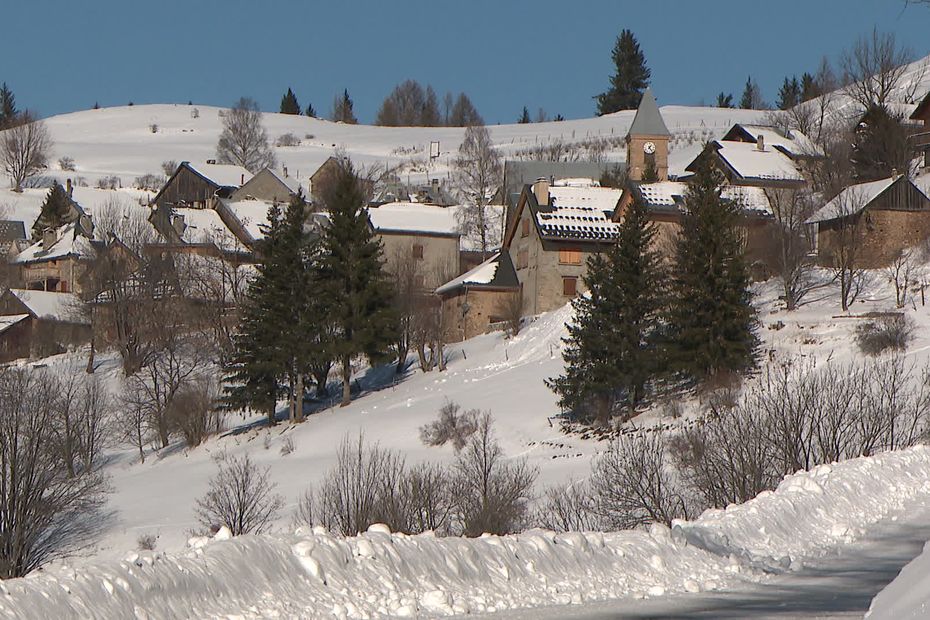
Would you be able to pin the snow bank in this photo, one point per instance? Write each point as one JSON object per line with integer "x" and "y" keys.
{"x": 378, "y": 574}
{"x": 908, "y": 596}
{"x": 812, "y": 512}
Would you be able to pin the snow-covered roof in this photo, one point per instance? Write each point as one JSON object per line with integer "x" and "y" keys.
{"x": 204, "y": 226}
{"x": 252, "y": 214}
{"x": 648, "y": 121}
{"x": 64, "y": 307}
{"x": 226, "y": 175}
{"x": 671, "y": 195}
{"x": 69, "y": 241}
{"x": 496, "y": 271}
{"x": 751, "y": 163}
{"x": 9, "y": 320}
{"x": 413, "y": 217}
{"x": 851, "y": 200}
{"x": 603, "y": 198}
{"x": 794, "y": 143}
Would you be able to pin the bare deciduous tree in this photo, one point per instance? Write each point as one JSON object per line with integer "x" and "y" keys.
{"x": 791, "y": 207}
{"x": 244, "y": 140}
{"x": 478, "y": 175}
{"x": 904, "y": 272}
{"x": 24, "y": 148}
{"x": 241, "y": 497}
{"x": 46, "y": 513}
{"x": 873, "y": 67}
{"x": 846, "y": 245}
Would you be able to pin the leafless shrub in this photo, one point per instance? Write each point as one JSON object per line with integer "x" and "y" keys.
{"x": 153, "y": 127}
{"x": 169, "y": 166}
{"x": 109, "y": 182}
{"x": 287, "y": 139}
{"x": 147, "y": 542}
{"x": 452, "y": 425}
{"x": 891, "y": 332}
{"x": 192, "y": 410}
{"x": 66, "y": 163}
{"x": 287, "y": 446}
{"x": 904, "y": 272}
{"x": 491, "y": 493}
{"x": 571, "y": 508}
{"x": 633, "y": 486}
{"x": 150, "y": 182}
{"x": 430, "y": 504}
{"x": 241, "y": 497}
{"x": 512, "y": 309}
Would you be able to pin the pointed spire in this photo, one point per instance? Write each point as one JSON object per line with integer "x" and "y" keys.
{"x": 648, "y": 121}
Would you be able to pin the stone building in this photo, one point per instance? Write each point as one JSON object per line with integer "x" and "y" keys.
{"x": 875, "y": 220}
{"x": 57, "y": 260}
{"x": 479, "y": 299}
{"x": 425, "y": 235}
{"x": 554, "y": 230}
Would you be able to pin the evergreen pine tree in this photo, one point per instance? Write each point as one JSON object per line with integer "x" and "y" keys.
{"x": 750, "y": 99}
{"x": 310, "y": 111}
{"x": 7, "y": 105}
{"x": 56, "y": 211}
{"x": 724, "y": 100}
{"x": 650, "y": 173}
{"x": 880, "y": 145}
{"x": 289, "y": 103}
{"x": 352, "y": 276}
{"x": 809, "y": 87}
{"x": 631, "y": 77}
{"x": 610, "y": 354}
{"x": 253, "y": 374}
{"x": 710, "y": 318}
{"x": 343, "y": 109}
{"x": 524, "y": 117}
{"x": 789, "y": 95}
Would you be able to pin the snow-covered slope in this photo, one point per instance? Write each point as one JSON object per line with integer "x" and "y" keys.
{"x": 379, "y": 574}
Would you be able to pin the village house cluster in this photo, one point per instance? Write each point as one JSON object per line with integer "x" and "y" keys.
{"x": 553, "y": 216}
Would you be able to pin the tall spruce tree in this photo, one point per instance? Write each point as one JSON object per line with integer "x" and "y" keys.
{"x": 289, "y": 103}
{"x": 253, "y": 374}
{"x": 524, "y": 117}
{"x": 310, "y": 111}
{"x": 710, "y": 319}
{"x": 751, "y": 99}
{"x": 352, "y": 276}
{"x": 610, "y": 354}
{"x": 789, "y": 95}
{"x": 724, "y": 100}
{"x": 57, "y": 210}
{"x": 343, "y": 109}
{"x": 7, "y": 105}
{"x": 629, "y": 81}
{"x": 880, "y": 145}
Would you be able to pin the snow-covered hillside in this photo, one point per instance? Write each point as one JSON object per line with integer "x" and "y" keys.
{"x": 120, "y": 141}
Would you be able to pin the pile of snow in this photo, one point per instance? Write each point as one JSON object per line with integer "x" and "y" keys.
{"x": 378, "y": 574}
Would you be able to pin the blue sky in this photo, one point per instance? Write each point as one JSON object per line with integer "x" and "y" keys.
{"x": 60, "y": 56}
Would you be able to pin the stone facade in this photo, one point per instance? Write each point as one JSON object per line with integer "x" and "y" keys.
{"x": 638, "y": 159}
{"x": 265, "y": 185}
{"x": 437, "y": 254}
{"x": 484, "y": 307}
{"x": 882, "y": 235}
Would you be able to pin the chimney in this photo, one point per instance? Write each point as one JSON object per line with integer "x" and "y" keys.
{"x": 760, "y": 143}
{"x": 68, "y": 187}
{"x": 541, "y": 190}
{"x": 49, "y": 238}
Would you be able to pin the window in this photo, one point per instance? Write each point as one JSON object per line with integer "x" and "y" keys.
{"x": 569, "y": 257}
{"x": 522, "y": 259}
{"x": 569, "y": 286}
{"x": 525, "y": 228}
{"x": 417, "y": 251}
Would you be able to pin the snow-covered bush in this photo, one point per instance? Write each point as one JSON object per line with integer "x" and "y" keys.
{"x": 241, "y": 497}
{"x": 147, "y": 542}
{"x": 66, "y": 163}
{"x": 452, "y": 425}
{"x": 150, "y": 182}
{"x": 889, "y": 332}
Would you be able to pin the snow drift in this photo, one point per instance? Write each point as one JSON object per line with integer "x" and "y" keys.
{"x": 376, "y": 574}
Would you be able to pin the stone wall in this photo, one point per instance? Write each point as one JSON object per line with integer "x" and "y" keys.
{"x": 884, "y": 233}
{"x": 485, "y": 306}
{"x": 440, "y": 260}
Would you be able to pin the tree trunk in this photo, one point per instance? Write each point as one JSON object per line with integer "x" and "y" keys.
{"x": 90, "y": 358}
{"x": 346, "y": 381}
{"x": 299, "y": 400}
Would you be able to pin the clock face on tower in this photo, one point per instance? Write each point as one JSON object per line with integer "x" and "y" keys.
{"x": 649, "y": 148}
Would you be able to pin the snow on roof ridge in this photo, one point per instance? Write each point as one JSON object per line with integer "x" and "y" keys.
{"x": 482, "y": 274}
